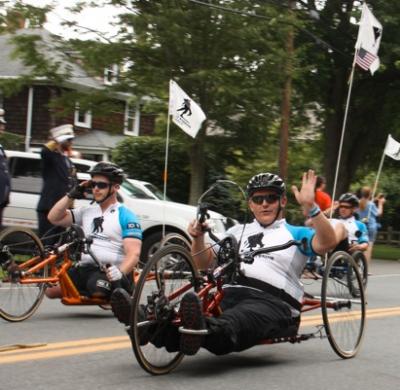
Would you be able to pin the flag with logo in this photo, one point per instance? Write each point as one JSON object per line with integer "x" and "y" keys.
{"x": 368, "y": 41}
{"x": 392, "y": 148}
{"x": 185, "y": 112}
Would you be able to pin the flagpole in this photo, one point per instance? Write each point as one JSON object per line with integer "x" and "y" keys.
{"x": 165, "y": 173}
{"x": 377, "y": 177}
{"x": 343, "y": 131}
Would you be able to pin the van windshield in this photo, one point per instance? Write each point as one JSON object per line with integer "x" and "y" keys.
{"x": 134, "y": 192}
{"x": 156, "y": 191}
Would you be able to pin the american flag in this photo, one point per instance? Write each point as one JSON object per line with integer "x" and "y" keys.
{"x": 364, "y": 58}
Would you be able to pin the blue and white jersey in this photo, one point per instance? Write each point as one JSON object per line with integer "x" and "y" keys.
{"x": 281, "y": 269}
{"x": 357, "y": 231}
{"x": 107, "y": 230}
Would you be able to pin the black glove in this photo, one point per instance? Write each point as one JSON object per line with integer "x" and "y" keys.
{"x": 77, "y": 192}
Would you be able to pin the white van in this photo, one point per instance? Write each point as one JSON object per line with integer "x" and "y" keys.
{"x": 26, "y": 184}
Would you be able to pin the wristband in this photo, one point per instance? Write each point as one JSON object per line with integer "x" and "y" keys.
{"x": 314, "y": 211}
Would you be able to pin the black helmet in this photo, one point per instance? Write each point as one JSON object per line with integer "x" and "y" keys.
{"x": 348, "y": 197}
{"x": 113, "y": 172}
{"x": 265, "y": 181}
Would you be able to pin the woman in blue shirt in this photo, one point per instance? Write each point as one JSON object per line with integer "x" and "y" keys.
{"x": 368, "y": 213}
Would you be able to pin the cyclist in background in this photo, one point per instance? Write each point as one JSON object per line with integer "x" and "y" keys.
{"x": 357, "y": 233}
{"x": 115, "y": 231}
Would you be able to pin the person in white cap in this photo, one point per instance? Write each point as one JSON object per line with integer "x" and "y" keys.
{"x": 5, "y": 179}
{"x": 59, "y": 176}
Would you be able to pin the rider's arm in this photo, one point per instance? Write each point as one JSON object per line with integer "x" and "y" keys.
{"x": 132, "y": 247}
{"x": 203, "y": 255}
{"x": 59, "y": 214}
{"x": 324, "y": 238}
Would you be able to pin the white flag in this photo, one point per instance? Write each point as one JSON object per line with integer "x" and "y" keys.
{"x": 368, "y": 41}
{"x": 392, "y": 148}
{"x": 186, "y": 113}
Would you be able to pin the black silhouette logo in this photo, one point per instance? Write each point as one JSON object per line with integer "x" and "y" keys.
{"x": 397, "y": 154}
{"x": 255, "y": 241}
{"x": 98, "y": 225}
{"x": 186, "y": 110}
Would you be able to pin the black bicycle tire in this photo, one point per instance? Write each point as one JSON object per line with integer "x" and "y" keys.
{"x": 31, "y": 310}
{"x": 143, "y": 362}
{"x": 344, "y": 354}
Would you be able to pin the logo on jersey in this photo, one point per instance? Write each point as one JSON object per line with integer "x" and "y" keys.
{"x": 97, "y": 225}
{"x": 133, "y": 225}
{"x": 254, "y": 242}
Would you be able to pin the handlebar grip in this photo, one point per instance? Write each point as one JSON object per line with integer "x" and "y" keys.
{"x": 202, "y": 212}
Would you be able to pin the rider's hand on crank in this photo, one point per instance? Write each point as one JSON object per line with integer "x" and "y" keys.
{"x": 78, "y": 192}
{"x": 113, "y": 273}
{"x": 197, "y": 229}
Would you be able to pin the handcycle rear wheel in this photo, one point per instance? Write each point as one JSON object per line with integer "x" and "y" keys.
{"x": 18, "y": 301}
{"x": 362, "y": 264}
{"x": 342, "y": 312}
{"x": 167, "y": 276}
{"x": 177, "y": 239}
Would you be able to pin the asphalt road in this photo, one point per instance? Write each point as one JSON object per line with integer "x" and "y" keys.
{"x": 86, "y": 348}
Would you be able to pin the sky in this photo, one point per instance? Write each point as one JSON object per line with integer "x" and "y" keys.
{"x": 98, "y": 18}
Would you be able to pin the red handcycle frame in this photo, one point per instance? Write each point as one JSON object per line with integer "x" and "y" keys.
{"x": 155, "y": 276}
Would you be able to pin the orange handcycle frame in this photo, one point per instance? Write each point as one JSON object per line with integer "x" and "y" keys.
{"x": 46, "y": 268}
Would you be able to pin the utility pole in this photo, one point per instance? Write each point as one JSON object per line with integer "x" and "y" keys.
{"x": 286, "y": 99}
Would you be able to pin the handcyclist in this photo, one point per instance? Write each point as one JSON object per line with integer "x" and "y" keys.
{"x": 357, "y": 232}
{"x": 114, "y": 229}
{"x": 266, "y": 298}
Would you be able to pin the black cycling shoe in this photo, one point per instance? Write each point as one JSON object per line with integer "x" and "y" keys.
{"x": 145, "y": 332}
{"x": 192, "y": 318}
{"x": 120, "y": 301}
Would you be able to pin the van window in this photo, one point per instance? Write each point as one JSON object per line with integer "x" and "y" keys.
{"x": 134, "y": 192}
{"x": 26, "y": 175}
{"x": 81, "y": 167}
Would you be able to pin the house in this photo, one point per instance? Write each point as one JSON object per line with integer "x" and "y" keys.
{"x": 28, "y": 113}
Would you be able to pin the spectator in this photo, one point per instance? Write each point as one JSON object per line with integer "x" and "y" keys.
{"x": 368, "y": 212}
{"x": 322, "y": 198}
{"x": 5, "y": 179}
{"x": 59, "y": 177}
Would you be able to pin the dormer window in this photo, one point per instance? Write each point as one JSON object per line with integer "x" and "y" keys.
{"x": 111, "y": 75}
{"x": 82, "y": 118}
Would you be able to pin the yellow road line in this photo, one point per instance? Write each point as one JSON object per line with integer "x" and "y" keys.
{"x": 335, "y": 317}
{"x": 78, "y": 347}
{"x": 63, "y": 352}
{"x": 68, "y": 344}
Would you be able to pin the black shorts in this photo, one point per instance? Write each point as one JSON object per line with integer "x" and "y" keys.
{"x": 90, "y": 280}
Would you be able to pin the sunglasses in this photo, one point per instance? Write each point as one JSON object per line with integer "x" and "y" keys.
{"x": 101, "y": 185}
{"x": 345, "y": 207}
{"x": 269, "y": 198}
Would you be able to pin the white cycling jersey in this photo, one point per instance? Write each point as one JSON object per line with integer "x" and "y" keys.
{"x": 356, "y": 230}
{"x": 107, "y": 230}
{"x": 281, "y": 269}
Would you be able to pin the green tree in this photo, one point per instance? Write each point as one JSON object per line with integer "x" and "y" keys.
{"x": 229, "y": 63}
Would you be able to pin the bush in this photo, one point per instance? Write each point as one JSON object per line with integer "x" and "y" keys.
{"x": 143, "y": 158}
{"x": 12, "y": 141}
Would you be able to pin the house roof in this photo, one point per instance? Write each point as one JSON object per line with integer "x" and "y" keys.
{"x": 51, "y": 46}
{"x": 97, "y": 139}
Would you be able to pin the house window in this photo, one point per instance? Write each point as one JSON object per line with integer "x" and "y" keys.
{"x": 111, "y": 75}
{"x": 82, "y": 118}
{"x": 132, "y": 119}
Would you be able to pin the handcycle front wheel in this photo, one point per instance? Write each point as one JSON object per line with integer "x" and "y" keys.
{"x": 343, "y": 313}
{"x": 167, "y": 276}
{"x": 18, "y": 301}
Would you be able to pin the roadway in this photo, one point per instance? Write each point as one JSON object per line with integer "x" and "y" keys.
{"x": 85, "y": 347}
